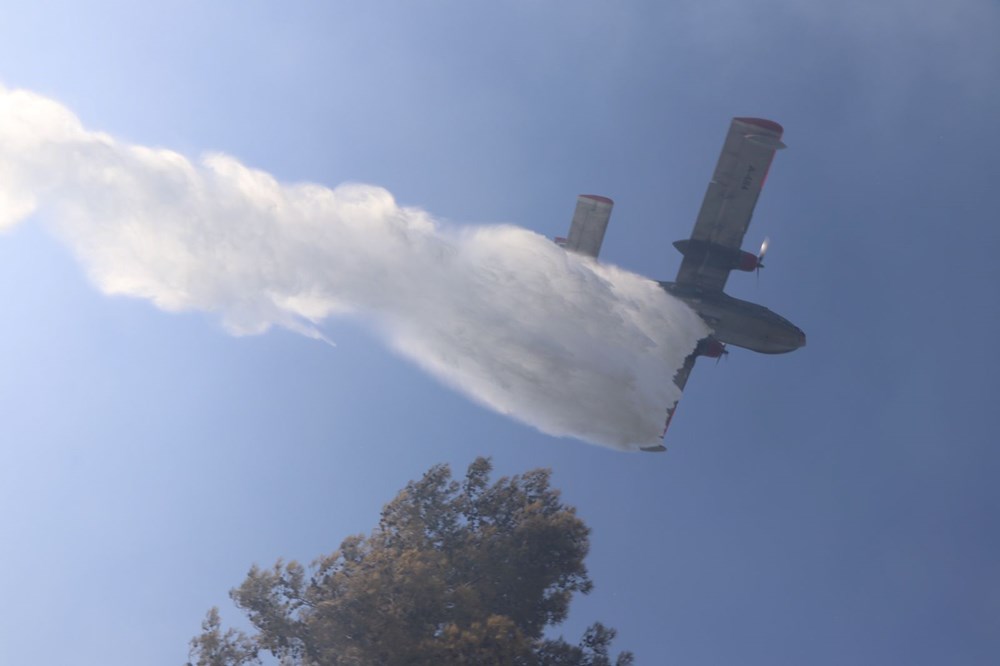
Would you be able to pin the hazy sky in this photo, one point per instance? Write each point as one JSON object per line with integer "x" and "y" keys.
{"x": 835, "y": 505}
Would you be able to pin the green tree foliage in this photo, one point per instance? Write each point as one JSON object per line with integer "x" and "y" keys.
{"x": 455, "y": 573}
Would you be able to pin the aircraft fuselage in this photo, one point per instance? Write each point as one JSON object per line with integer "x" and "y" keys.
{"x": 740, "y": 323}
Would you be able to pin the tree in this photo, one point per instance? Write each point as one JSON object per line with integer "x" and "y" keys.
{"x": 455, "y": 573}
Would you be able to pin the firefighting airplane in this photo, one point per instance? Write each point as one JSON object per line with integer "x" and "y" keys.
{"x": 713, "y": 250}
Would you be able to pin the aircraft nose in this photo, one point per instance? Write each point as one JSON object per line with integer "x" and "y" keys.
{"x": 802, "y": 338}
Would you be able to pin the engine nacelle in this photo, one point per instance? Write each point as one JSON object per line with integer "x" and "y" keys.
{"x": 710, "y": 347}
{"x": 747, "y": 262}
{"x": 717, "y": 255}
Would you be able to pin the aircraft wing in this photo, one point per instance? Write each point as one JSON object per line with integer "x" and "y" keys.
{"x": 714, "y": 247}
{"x": 680, "y": 379}
{"x": 590, "y": 221}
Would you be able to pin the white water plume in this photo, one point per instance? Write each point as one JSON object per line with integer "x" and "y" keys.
{"x": 500, "y": 313}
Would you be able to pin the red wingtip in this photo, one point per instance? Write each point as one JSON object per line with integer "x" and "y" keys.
{"x": 597, "y": 197}
{"x": 763, "y": 123}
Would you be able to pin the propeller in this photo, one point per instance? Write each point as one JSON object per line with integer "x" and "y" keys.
{"x": 760, "y": 256}
{"x": 725, "y": 353}
{"x": 711, "y": 347}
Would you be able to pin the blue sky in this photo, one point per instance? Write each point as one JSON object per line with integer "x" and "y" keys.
{"x": 833, "y": 505}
